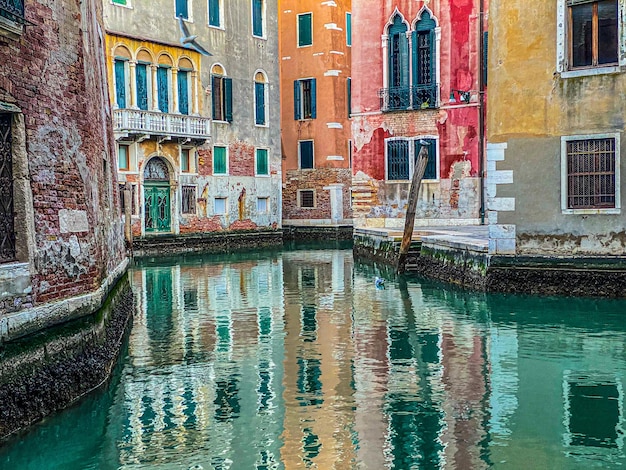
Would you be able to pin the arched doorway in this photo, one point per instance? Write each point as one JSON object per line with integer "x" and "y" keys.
{"x": 157, "y": 205}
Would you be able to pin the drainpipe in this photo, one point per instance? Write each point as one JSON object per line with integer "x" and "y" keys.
{"x": 481, "y": 108}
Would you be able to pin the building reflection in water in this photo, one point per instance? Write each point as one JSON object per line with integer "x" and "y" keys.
{"x": 299, "y": 361}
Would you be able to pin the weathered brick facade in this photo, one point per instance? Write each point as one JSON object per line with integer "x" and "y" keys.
{"x": 53, "y": 82}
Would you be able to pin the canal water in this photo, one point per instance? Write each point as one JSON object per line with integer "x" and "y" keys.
{"x": 297, "y": 359}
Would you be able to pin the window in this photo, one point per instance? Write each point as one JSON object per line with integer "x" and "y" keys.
{"x": 304, "y": 99}
{"x": 141, "y": 81}
{"x": 590, "y": 172}
{"x": 188, "y": 203}
{"x": 182, "y": 9}
{"x": 262, "y": 163}
{"x": 305, "y": 29}
{"x": 349, "y": 95}
{"x": 119, "y": 2}
{"x": 219, "y": 206}
{"x": 7, "y": 216}
{"x": 133, "y": 198}
{"x": 305, "y": 154}
{"x": 222, "y": 95}
{"x": 402, "y": 154}
{"x": 260, "y": 111}
{"x": 257, "y": 17}
{"x": 593, "y": 33}
{"x": 183, "y": 92}
{"x": 120, "y": 83}
{"x": 163, "y": 89}
{"x": 262, "y": 205}
{"x": 349, "y": 29}
{"x": 215, "y": 10}
{"x": 306, "y": 198}
{"x": 123, "y": 157}
{"x": 424, "y": 93}
{"x": 185, "y": 160}
{"x": 220, "y": 166}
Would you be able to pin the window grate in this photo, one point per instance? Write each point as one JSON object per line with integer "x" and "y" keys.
{"x": 307, "y": 198}
{"x": 189, "y": 200}
{"x": 12, "y": 10}
{"x": 398, "y": 159}
{"x": 591, "y": 174}
{"x": 7, "y": 222}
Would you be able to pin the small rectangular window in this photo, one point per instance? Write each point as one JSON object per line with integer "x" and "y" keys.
{"x": 257, "y": 18}
{"x": 119, "y": 2}
{"x": 7, "y": 207}
{"x": 220, "y": 206}
{"x": 262, "y": 164}
{"x": 262, "y": 205}
{"x": 214, "y": 13}
{"x": 398, "y": 159}
{"x": 349, "y": 29}
{"x": 259, "y": 104}
{"x": 123, "y": 157}
{"x": 305, "y": 29}
{"x": 591, "y": 175}
{"x": 188, "y": 199}
{"x": 305, "y": 99}
{"x": 305, "y": 153}
{"x": 307, "y": 198}
{"x": 219, "y": 160}
{"x": 185, "y": 162}
{"x": 431, "y": 165}
{"x": 593, "y": 38}
{"x": 182, "y": 9}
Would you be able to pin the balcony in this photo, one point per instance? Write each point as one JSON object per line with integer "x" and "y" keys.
{"x": 154, "y": 123}
{"x": 407, "y": 98}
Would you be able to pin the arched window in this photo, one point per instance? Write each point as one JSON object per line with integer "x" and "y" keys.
{"x": 222, "y": 94}
{"x": 184, "y": 84}
{"x": 424, "y": 64}
{"x": 260, "y": 108}
{"x": 398, "y": 68}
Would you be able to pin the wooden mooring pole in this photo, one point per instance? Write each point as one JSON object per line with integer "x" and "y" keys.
{"x": 416, "y": 182}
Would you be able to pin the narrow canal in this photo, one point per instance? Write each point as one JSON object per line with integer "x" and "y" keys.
{"x": 296, "y": 359}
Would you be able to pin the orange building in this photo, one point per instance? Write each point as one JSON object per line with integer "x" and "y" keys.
{"x": 315, "y": 57}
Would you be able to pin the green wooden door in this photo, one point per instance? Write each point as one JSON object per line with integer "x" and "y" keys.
{"x": 157, "y": 208}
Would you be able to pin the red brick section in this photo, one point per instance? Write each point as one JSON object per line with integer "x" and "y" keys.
{"x": 315, "y": 179}
{"x": 55, "y": 73}
{"x": 241, "y": 159}
{"x": 200, "y": 224}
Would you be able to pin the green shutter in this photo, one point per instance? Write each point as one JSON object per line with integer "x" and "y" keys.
{"x": 261, "y": 162}
{"x": 257, "y": 18}
{"x": 485, "y": 56}
{"x": 349, "y": 93}
{"x": 306, "y": 154}
{"x": 259, "y": 101}
{"x": 313, "y": 100}
{"x": 120, "y": 84}
{"x": 183, "y": 92}
{"x": 404, "y": 60}
{"x": 142, "y": 86}
{"x": 163, "y": 89}
{"x": 214, "y": 12}
{"x": 305, "y": 30}
{"x": 219, "y": 160}
{"x": 431, "y": 166}
{"x": 349, "y": 29}
{"x": 182, "y": 9}
{"x": 228, "y": 99}
{"x": 297, "y": 100}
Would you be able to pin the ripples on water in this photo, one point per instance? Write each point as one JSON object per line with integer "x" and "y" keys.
{"x": 298, "y": 360}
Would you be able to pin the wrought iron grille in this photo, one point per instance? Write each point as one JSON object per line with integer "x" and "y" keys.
{"x": 424, "y": 58}
{"x": 415, "y": 97}
{"x": 591, "y": 174}
{"x": 398, "y": 159}
{"x": 189, "y": 200}
{"x": 12, "y": 10}
{"x": 307, "y": 198}
{"x": 7, "y": 223}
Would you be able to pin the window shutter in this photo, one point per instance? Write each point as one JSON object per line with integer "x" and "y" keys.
{"x": 183, "y": 93}
{"x": 219, "y": 160}
{"x": 313, "y": 100}
{"x": 163, "y": 90}
{"x": 305, "y": 33}
{"x": 257, "y": 18}
{"x": 306, "y": 154}
{"x": 214, "y": 12}
{"x": 404, "y": 60}
{"x": 228, "y": 103}
{"x": 261, "y": 162}
{"x": 259, "y": 100}
{"x": 433, "y": 61}
{"x": 181, "y": 9}
{"x": 349, "y": 29}
{"x": 415, "y": 57}
{"x": 349, "y": 93}
{"x": 142, "y": 86}
{"x": 120, "y": 84}
{"x": 297, "y": 100}
{"x": 485, "y": 56}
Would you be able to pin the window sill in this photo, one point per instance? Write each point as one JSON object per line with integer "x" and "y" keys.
{"x": 10, "y": 28}
{"x": 219, "y": 28}
{"x": 130, "y": 7}
{"x": 590, "y": 72}
{"x": 262, "y": 176}
{"x": 613, "y": 211}
{"x": 220, "y": 122}
{"x": 263, "y": 38}
{"x": 264, "y": 126}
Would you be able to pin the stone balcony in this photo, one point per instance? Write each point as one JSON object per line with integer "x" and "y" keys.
{"x": 139, "y": 124}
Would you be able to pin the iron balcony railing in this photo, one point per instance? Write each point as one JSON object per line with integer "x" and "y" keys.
{"x": 12, "y": 10}
{"x": 157, "y": 123}
{"x": 415, "y": 97}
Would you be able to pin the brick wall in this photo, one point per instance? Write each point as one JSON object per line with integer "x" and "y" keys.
{"x": 315, "y": 179}
{"x": 55, "y": 73}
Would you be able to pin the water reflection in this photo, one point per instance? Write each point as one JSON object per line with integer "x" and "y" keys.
{"x": 297, "y": 360}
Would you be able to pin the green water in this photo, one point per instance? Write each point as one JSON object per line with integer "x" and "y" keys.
{"x": 296, "y": 359}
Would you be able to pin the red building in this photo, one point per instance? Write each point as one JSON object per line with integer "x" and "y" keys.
{"x": 417, "y": 75}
